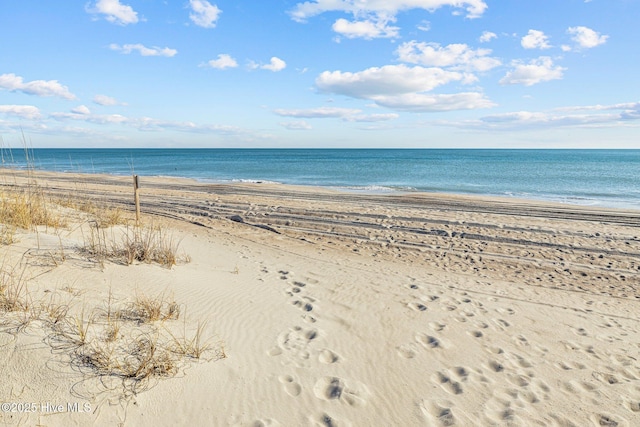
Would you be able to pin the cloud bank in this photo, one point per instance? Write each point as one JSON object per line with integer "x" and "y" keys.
{"x": 372, "y": 18}
{"x": 49, "y": 88}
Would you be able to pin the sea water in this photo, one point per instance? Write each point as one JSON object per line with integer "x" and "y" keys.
{"x": 586, "y": 177}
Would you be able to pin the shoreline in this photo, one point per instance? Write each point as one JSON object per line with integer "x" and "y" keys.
{"x": 350, "y": 191}
{"x": 346, "y": 310}
{"x": 556, "y": 177}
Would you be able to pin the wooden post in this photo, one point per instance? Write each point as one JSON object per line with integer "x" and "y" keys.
{"x": 136, "y": 198}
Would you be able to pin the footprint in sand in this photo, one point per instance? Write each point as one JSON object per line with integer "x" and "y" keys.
{"x": 265, "y": 423}
{"x": 328, "y": 357}
{"x": 309, "y": 319}
{"x": 493, "y": 349}
{"x": 461, "y": 372}
{"x": 428, "y": 341}
{"x": 303, "y": 305}
{"x": 634, "y": 405}
{"x": 293, "y": 290}
{"x": 290, "y": 385}
{"x": 564, "y": 366}
{"x": 436, "y": 326}
{"x": 518, "y": 360}
{"x": 407, "y": 351}
{"x": 499, "y": 411}
{"x": 521, "y": 340}
{"x": 439, "y": 413}
{"x": 447, "y": 384}
{"x": 518, "y": 380}
{"x": 326, "y": 420}
{"x": 542, "y": 386}
{"x": 502, "y": 323}
{"x": 509, "y": 311}
{"x": 416, "y": 306}
{"x": 528, "y": 396}
{"x": 580, "y": 331}
{"x": 334, "y": 388}
{"x": 476, "y": 334}
{"x": 295, "y": 342}
{"x": 284, "y": 275}
{"x": 482, "y": 325}
{"x": 495, "y": 366}
{"x": 605, "y": 378}
{"x": 609, "y": 420}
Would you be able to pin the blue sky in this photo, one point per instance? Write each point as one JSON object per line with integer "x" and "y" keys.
{"x": 320, "y": 73}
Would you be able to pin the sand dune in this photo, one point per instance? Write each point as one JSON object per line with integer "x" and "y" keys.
{"x": 338, "y": 309}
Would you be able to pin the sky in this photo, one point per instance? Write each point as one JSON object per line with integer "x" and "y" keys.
{"x": 320, "y": 73}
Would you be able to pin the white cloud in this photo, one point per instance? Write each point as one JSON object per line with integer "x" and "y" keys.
{"x": 424, "y": 26}
{"x": 535, "y": 40}
{"x": 386, "y": 80}
{"x": 106, "y": 100}
{"x": 14, "y": 83}
{"x": 143, "y": 50}
{"x": 586, "y": 37}
{"x": 456, "y": 56}
{"x": 371, "y": 118}
{"x": 536, "y": 71}
{"x": 346, "y": 114}
{"x": 297, "y": 125}
{"x": 23, "y": 111}
{"x": 222, "y": 62}
{"x": 318, "y": 113}
{"x": 81, "y": 109}
{"x": 204, "y": 13}
{"x": 115, "y": 12}
{"x": 582, "y": 116}
{"x": 487, "y": 36}
{"x": 275, "y": 64}
{"x": 146, "y": 123}
{"x": 367, "y": 29}
{"x": 382, "y": 8}
{"x": 402, "y": 88}
{"x": 627, "y": 106}
{"x": 91, "y": 118}
{"x": 421, "y": 102}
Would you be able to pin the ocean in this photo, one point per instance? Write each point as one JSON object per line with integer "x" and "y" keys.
{"x": 608, "y": 178}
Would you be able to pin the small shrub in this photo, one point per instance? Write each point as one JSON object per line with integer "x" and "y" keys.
{"x": 26, "y": 209}
{"x": 149, "y": 244}
{"x": 14, "y": 295}
{"x": 150, "y": 309}
{"x": 193, "y": 347}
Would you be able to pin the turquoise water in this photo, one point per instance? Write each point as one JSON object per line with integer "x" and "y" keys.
{"x": 586, "y": 177}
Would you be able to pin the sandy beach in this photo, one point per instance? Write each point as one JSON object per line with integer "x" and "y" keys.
{"x": 327, "y": 308}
